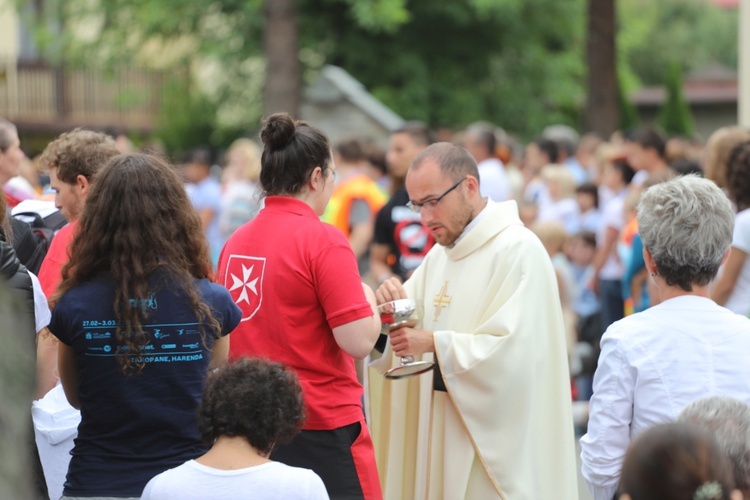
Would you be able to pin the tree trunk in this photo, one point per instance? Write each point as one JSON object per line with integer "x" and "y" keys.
{"x": 601, "y": 103}
{"x": 282, "y": 89}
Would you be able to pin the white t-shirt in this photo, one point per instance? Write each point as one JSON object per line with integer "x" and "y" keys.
{"x": 536, "y": 192}
{"x": 640, "y": 178}
{"x": 564, "y": 211}
{"x": 42, "y": 315}
{"x": 493, "y": 181}
{"x": 271, "y": 480}
{"x": 739, "y": 299}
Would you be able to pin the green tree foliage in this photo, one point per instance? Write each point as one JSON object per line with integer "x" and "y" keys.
{"x": 515, "y": 63}
{"x": 675, "y": 117}
{"x": 220, "y": 41}
{"x": 187, "y": 119}
{"x": 627, "y": 113}
{"x": 694, "y": 33}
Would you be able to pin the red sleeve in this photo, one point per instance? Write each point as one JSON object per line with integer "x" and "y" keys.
{"x": 50, "y": 274}
{"x": 337, "y": 282}
{"x": 11, "y": 200}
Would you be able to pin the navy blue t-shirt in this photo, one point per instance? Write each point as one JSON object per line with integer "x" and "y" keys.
{"x": 134, "y": 427}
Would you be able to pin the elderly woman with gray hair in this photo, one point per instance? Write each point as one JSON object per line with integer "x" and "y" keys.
{"x": 656, "y": 362}
{"x": 728, "y": 420}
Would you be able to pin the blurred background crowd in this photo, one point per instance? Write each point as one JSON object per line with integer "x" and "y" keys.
{"x": 570, "y": 108}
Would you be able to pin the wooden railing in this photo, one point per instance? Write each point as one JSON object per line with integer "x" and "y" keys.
{"x": 39, "y": 95}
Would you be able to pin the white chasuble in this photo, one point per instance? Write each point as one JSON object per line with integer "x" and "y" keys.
{"x": 504, "y": 427}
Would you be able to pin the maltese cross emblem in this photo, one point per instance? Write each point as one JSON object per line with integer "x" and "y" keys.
{"x": 244, "y": 280}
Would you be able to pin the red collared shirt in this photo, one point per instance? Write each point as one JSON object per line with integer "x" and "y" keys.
{"x": 295, "y": 279}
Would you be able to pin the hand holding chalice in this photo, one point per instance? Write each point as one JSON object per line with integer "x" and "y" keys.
{"x": 396, "y": 314}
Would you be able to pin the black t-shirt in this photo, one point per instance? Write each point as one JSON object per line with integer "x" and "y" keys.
{"x": 400, "y": 228}
{"x": 134, "y": 427}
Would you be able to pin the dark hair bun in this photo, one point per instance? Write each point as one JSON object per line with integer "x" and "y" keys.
{"x": 278, "y": 130}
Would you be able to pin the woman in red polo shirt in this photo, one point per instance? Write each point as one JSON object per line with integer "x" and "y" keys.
{"x": 304, "y": 305}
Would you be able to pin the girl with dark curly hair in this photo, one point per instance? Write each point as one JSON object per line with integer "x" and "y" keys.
{"x": 303, "y": 304}
{"x": 139, "y": 321}
{"x": 732, "y": 288}
{"x": 248, "y": 408}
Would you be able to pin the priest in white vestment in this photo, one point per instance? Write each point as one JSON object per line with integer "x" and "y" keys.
{"x": 497, "y": 423}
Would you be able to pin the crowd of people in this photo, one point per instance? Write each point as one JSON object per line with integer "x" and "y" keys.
{"x": 207, "y": 331}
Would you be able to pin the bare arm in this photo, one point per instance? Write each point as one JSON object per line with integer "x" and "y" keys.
{"x": 379, "y": 267}
{"x": 46, "y": 362}
{"x": 207, "y": 215}
{"x": 219, "y": 352}
{"x": 360, "y": 237}
{"x": 66, "y": 365}
{"x": 601, "y": 255}
{"x": 358, "y": 337}
{"x": 724, "y": 285}
{"x": 561, "y": 288}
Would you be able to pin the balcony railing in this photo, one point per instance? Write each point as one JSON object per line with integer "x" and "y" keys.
{"x": 41, "y": 96}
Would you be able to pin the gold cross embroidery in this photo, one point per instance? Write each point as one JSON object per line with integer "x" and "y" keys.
{"x": 441, "y": 301}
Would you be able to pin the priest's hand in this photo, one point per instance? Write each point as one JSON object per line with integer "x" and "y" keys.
{"x": 407, "y": 341}
{"x": 390, "y": 290}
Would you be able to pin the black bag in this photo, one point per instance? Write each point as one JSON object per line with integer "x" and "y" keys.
{"x": 32, "y": 236}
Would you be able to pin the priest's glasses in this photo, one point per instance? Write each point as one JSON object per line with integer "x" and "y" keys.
{"x": 393, "y": 315}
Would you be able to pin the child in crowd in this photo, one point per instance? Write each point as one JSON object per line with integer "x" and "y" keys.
{"x": 562, "y": 206}
{"x": 581, "y": 249}
{"x": 609, "y": 269}
{"x": 676, "y": 461}
{"x": 589, "y": 217}
{"x": 528, "y": 212}
{"x": 553, "y": 237}
{"x": 248, "y": 407}
{"x": 538, "y": 154}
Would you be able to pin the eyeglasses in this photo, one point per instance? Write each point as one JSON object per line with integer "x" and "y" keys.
{"x": 432, "y": 202}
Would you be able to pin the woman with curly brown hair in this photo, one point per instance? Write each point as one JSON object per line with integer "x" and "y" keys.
{"x": 248, "y": 408}
{"x": 139, "y": 321}
{"x": 732, "y": 288}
